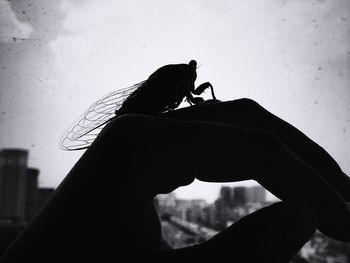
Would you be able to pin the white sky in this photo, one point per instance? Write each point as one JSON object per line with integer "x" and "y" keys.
{"x": 291, "y": 56}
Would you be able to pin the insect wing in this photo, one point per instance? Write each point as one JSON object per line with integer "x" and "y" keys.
{"x": 85, "y": 129}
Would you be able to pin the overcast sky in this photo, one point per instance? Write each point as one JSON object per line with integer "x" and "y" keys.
{"x": 291, "y": 56}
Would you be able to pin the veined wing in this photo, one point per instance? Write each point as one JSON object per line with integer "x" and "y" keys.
{"x": 85, "y": 129}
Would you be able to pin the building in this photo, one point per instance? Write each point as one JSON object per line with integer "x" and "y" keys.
{"x": 226, "y": 195}
{"x": 13, "y": 171}
{"x": 20, "y": 195}
{"x": 234, "y": 203}
{"x": 256, "y": 194}
{"x": 194, "y": 210}
{"x": 166, "y": 203}
{"x": 209, "y": 216}
{"x": 32, "y": 186}
{"x": 240, "y": 195}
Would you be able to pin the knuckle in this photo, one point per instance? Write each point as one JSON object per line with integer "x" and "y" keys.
{"x": 247, "y": 104}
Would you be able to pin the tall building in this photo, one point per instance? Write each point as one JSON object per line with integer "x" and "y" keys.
{"x": 256, "y": 194}
{"x": 13, "y": 171}
{"x": 226, "y": 195}
{"x": 222, "y": 213}
{"x": 166, "y": 203}
{"x": 194, "y": 211}
{"x": 240, "y": 195}
{"x": 32, "y": 186}
{"x": 20, "y": 195}
{"x": 209, "y": 216}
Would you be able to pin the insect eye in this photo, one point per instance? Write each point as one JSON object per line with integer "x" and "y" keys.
{"x": 193, "y": 64}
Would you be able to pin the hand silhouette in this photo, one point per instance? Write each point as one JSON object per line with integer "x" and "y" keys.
{"x": 104, "y": 209}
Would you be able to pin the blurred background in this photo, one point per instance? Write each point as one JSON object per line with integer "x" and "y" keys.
{"x": 59, "y": 57}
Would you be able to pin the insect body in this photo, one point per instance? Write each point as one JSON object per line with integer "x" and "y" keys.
{"x": 163, "y": 91}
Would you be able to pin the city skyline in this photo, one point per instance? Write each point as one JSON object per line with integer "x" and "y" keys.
{"x": 185, "y": 223}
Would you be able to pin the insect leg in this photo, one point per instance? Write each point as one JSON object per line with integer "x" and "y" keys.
{"x": 201, "y": 88}
{"x": 189, "y": 101}
{"x": 193, "y": 100}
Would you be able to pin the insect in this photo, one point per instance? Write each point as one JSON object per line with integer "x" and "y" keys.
{"x": 163, "y": 91}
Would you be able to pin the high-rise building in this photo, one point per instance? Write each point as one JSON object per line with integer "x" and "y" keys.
{"x": 256, "y": 194}
{"x": 32, "y": 186}
{"x": 226, "y": 195}
{"x": 194, "y": 212}
{"x": 240, "y": 195}
{"x": 20, "y": 197}
{"x": 221, "y": 211}
{"x": 166, "y": 203}
{"x": 13, "y": 171}
{"x": 209, "y": 218}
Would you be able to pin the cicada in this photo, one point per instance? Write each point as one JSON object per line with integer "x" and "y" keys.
{"x": 163, "y": 91}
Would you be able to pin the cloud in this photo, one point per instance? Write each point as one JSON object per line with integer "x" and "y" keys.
{"x": 10, "y": 26}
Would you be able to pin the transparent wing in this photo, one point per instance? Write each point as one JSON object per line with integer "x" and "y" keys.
{"x": 85, "y": 129}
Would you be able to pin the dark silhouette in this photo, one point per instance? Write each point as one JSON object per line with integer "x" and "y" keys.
{"x": 103, "y": 210}
{"x": 163, "y": 91}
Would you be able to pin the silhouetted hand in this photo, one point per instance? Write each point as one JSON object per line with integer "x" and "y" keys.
{"x": 105, "y": 204}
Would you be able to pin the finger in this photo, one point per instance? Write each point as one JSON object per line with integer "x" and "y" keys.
{"x": 235, "y": 154}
